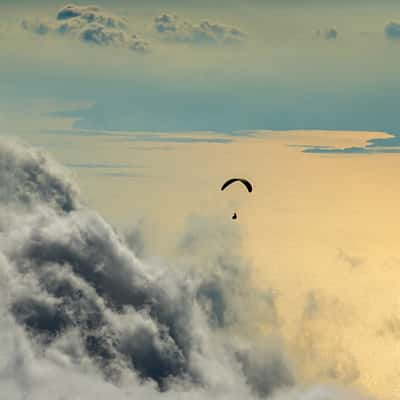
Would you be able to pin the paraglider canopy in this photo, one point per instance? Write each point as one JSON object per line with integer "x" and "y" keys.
{"x": 245, "y": 182}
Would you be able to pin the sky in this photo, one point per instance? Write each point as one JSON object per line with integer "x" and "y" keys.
{"x": 121, "y": 269}
{"x": 284, "y": 72}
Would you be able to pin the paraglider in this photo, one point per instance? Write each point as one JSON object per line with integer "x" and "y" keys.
{"x": 245, "y": 182}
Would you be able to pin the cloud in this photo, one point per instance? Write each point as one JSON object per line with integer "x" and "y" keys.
{"x": 90, "y": 24}
{"x": 91, "y": 14}
{"x": 327, "y": 34}
{"x": 387, "y": 145}
{"x": 82, "y": 316}
{"x": 351, "y": 260}
{"x": 327, "y": 359}
{"x": 391, "y": 327}
{"x": 97, "y": 26}
{"x": 171, "y": 28}
{"x": 35, "y": 25}
{"x": 28, "y": 177}
{"x": 392, "y": 30}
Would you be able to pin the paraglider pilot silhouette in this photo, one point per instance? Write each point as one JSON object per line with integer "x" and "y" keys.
{"x": 245, "y": 182}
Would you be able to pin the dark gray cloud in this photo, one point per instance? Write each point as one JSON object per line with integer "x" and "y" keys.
{"x": 90, "y": 24}
{"x": 82, "y": 316}
{"x": 170, "y": 27}
{"x": 392, "y": 30}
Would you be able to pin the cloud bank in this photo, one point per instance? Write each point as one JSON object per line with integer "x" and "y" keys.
{"x": 94, "y": 25}
{"x": 81, "y": 316}
{"x": 90, "y": 24}
{"x": 171, "y": 28}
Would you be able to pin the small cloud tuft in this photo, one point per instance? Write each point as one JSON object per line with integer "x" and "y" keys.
{"x": 392, "y": 30}
{"x": 37, "y": 26}
{"x": 327, "y": 34}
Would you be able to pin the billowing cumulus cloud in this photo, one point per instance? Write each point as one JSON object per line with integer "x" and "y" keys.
{"x": 91, "y": 14}
{"x": 392, "y": 30}
{"x": 170, "y": 27}
{"x": 90, "y": 24}
{"x": 81, "y": 316}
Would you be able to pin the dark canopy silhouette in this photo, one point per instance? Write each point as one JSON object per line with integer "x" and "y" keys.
{"x": 245, "y": 182}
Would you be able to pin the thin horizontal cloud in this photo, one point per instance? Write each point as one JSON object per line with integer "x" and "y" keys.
{"x": 173, "y": 137}
{"x": 123, "y": 175}
{"x": 386, "y": 145}
{"x": 352, "y": 150}
{"x": 101, "y": 166}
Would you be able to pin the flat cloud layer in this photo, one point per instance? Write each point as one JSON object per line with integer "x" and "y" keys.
{"x": 81, "y": 316}
{"x": 90, "y": 24}
{"x": 170, "y": 27}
